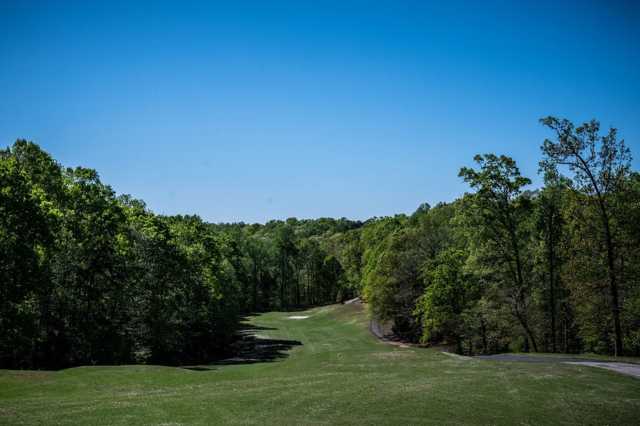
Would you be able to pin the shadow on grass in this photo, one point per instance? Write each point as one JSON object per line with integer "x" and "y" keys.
{"x": 252, "y": 348}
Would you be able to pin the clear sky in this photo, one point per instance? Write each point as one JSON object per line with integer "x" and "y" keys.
{"x": 258, "y": 110}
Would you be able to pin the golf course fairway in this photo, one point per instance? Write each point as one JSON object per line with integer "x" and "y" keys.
{"x": 322, "y": 366}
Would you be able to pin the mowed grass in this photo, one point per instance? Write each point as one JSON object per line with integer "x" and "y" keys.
{"x": 340, "y": 374}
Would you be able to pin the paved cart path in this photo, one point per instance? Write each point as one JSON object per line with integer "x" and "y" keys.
{"x": 620, "y": 367}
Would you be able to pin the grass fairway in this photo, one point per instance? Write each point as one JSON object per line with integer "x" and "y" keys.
{"x": 339, "y": 374}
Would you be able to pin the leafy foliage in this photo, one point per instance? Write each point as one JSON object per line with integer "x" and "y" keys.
{"x": 88, "y": 277}
{"x": 91, "y": 278}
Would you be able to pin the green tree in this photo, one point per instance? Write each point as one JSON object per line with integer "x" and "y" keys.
{"x": 88, "y": 274}
{"x": 287, "y": 250}
{"x": 499, "y": 215}
{"x": 550, "y": 224}
{"x": 24, "y": 236}
{"x": 599, "y": 166}
{"x": 449, "y": 292}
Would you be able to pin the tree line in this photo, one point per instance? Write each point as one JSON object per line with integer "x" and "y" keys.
{"x": 506, "y": 267}
{"x": 89, "y": 277}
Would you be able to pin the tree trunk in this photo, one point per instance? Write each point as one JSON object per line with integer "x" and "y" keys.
{"x": 255, "y": 286}
{"x": 613, "y": 285}
{"x": 552, "y": 290}
{"x": 483, "y": 329}
{"x": 297, "y": 275}
{"x": 282, "y": 280}
{"x": 520, "y": 283}
{"x": 525, "y": 325}
{"x": 613, "y": 289}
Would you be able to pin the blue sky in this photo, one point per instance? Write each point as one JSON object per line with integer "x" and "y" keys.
{"x": 248, "y": 111}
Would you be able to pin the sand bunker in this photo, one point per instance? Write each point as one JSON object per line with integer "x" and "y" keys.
{"x": 298, "y": 317}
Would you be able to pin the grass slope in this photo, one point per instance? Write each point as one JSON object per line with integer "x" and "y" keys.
{"x": 339, "y": 374}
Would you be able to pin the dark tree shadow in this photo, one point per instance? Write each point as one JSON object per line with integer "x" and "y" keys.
{"x": 251, "y": 349}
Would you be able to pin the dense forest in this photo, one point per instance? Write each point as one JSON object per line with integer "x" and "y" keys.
{"x": 89, "y": 277}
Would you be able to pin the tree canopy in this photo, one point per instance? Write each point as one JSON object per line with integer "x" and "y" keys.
{"x": 90, "y": 277}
